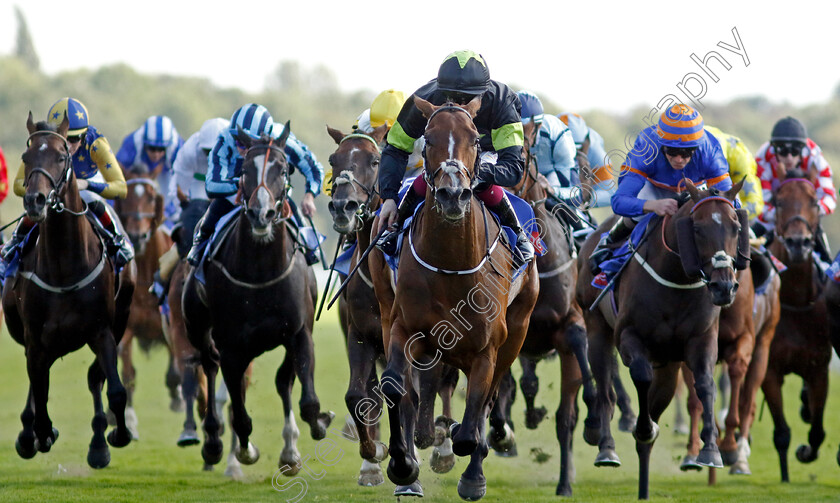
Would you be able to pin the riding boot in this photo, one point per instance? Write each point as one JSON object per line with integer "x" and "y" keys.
{"x": 821, "y": 245}
{"x": 619, "y": 232}
{"x": 116, "y": 244}
{"x": 160, "y": 283}
{"x": 203, "y": 231}
{"x": 10, "y": 247}
{"x": 388, "y": 242}
{"x": 524, "y": 250}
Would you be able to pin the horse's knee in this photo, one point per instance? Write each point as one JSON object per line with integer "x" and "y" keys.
{"x": 640, "y": 370}
{"x": 781, "y": 438}
{"x": 392, "y": 387}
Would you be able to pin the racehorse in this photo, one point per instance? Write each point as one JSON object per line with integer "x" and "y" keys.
{"x": 141, "y": 212}
{"x": 801, "y": 344}
{"x": 64, "y": 296}
{"x": 556, "y": 322}
{"x": 259, "y": 294}
{"x": 832, "y": 302}
{"x": 450, "y": 267}
{"x": 355, "y": 168}
{"x": 746, "y": 331}
{"x": 700, "y": 246}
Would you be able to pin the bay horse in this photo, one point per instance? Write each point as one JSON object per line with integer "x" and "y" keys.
{"x": 65, "y": 296}
{"x": 690, "y": 261}
{"x": 801, "y": 345}
{"x": 746, "y": 331}
{"x": 355, "y": 169}
{"x": 141, "y": 212}
{"x": 259, "y": 294}
{"x": 556, "y": 323}
{"x": 435, "y": 284}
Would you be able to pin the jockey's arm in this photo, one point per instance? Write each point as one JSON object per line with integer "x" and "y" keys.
{"x": 624, "y": 202}
{"x": 508, "y": 140}
{"x": 301, "y": 157}
{"x": 221, "y": 164}
{"x": 127, "y": 154}
{"x": 114, "y": 186}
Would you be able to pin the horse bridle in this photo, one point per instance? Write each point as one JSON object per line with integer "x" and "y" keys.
{"x": 364, "y": 212}
{"x": 430, "y": 180}
{"x": 278, "y": 205}
{"x": 53, "y": 200}
{"x": 796, "y": 218}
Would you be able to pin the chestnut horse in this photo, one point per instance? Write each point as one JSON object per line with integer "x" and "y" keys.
{"x": 65, "y": 296}
{"x": 141, "y": 212}
{"x": 657, "y": 330}
{"x": 746, "y": 330}
{"x": 259, "y": 294}
{"x": 355, "y": 168}
{"x": 801, "y": 345}
{"x": 556, "y": 322}
{"x": 451, "y": 261}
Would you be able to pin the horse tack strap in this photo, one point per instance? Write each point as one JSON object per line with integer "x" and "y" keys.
{"x": 662, "y": 281}
{"x": 256, "y": 286}
{"x": 556, "y": 271}
{"x": 447, "y": 271}
{"x": 31, "y": 276}
{"x": 360, "y": 135}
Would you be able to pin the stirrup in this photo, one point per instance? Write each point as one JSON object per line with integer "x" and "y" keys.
{"x": 388, "y": 242}
{"x": 523, "y": 251}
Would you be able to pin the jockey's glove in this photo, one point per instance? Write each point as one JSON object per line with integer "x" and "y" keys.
{"x": 484, "y": 179}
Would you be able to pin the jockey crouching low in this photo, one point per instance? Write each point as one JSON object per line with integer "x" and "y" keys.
{"x": 676, "y": 148}
{"x": 98, "y": 176}
{"x": 462, "y": 76}
{"x": 224, "y": 170}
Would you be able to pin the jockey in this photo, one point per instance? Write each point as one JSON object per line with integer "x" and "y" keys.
{"x": 462, "y": 76}
{"x": 225, "y": 165}
{"x": 790, "y": 148}
{"x": 187, "y": 187}
{"x": 155, "y": 146}
{"x": 741, "y": 164}
{"x": 676, "y": 148}
{"x": 4, "y": 177}
{"x": 591, "y": 157}
{"x": 98, "y": 176}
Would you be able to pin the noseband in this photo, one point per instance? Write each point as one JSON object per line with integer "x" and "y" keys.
{"x": 364, "y": 212}
{"x": 450, "y": 163}
{"x": 57, "y": 186}
{"x": 269, "y": 147}
{"x": 796, "y": 218}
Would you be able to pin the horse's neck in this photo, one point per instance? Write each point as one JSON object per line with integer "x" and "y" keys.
{"x": 67, "y": 240}
{"x": 452, "y": 245}
{"x": 363, "y": 235}
{"x": 553, "y": 233}
{"x": 666, "y": 263}
{"x": 260, "y": 257}
{"x": 799, "y": 286}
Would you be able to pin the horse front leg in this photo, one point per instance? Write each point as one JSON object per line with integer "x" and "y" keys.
{"x": 310, "y": 407}
{"x": 817, "y": 393}
{"x": 189, "y": 392}
{"x": 443, "y": 459}
{"x": 695, "y": 410}
{"x": 233, "y": 372}
{"x": 212, "y": 449}
{"x": 737, "y": 365}
{"x": 38, "y": 366}
{"x": 529, "y": 383}
{"x": 129, "y": 380}
{"x": 772, "y": 388}
{"x": 105, "y": 347}
{"x": 700, "y": 356}
{"x": 472, "y": 485}
{"x": 566, "y": 418}
{"x": 603, "y": 364}
{"x": 25, "y": 443}
{"x": 395, "y": 385}
{"x": 98, "y": 454}
{"x": 501, "y": 438}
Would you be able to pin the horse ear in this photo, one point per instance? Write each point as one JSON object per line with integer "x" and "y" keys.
{"x": 379, "y": 133}
{"x": 158, "y": 211}
{"x": 30, "y": 124}
{"x": 281, "y": 140}
{"x": 335, "y": 134}
{"x": 731, "y": 193}
{"x": 692, "y": 190}
{"x": 64, "y": 126}
{"x": 426, "y": 108}
{"x": 473, "y": 106}
{"x": 242, "y": 136}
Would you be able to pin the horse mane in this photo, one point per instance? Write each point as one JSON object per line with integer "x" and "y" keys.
{"x": 138, "y": 169}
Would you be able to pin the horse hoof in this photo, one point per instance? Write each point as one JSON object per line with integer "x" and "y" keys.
{"x": 370, "y": 474}
{"x": 654, "y": 433}
{"x": 26, "y": 447}
{"x": 381, "y": 452}
{"x": 563, "y": 490}
{"x": 177, "y": 405}
{"x": 234, "y": 468}
{"x": 838, "y": 457}
{"x": 627, "y": 423}
{"x": 414, "y": 489}
{"x": 740, "y": 468}
{"x": 112, "y": 418}
{"x": 710, "y": 456}
{"x": 99, "y": 457}
{"x": 188, "y": 437}
{"x": 119, "y": 438}
{"x": 318, "y": 429}
{"x": 591, "y": 431}
{"x": 729, "y": 457}
{"x": 207, "y": 468}
{"x": 131, "y": 423}
{"x": 689, "y": 462}
{"x": 533, "y": 417}
{"x": 805, "y": 454}
{"x": 506, "y": 445}
{"x": 472, "y": 490}
{"x": 48, "y": 443}
{"x": 607, "y": 457}
{"x": 211, "y": 452}
{"x": 443, "y": 459}
{"x": 403, "y": 479}
{"x": 248, "y": 456}
{"x": 291, "y": 458}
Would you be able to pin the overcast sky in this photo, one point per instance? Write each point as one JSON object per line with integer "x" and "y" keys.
{"x": 581, "y": 55}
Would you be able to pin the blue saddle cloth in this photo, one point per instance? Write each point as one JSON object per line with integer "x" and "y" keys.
{"x": 524, "y": 212}
{"x": 620, "y": 255}
{"x": 11, "y": 267}
{"x": 342, "y": 262}
{"x": 833, "y": 271}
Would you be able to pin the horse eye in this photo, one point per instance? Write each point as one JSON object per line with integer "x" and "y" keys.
{"x": 331, "y": 160}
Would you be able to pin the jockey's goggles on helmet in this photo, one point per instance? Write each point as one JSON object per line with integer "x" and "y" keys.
{"x": 155, "y": 149}
{"x": 788, "y": 148}
{"x": 458, "y": 97}
{"x": 685, "y": 153}
{"x": 74, "y": 139}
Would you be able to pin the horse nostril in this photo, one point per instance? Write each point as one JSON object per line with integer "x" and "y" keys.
{"x": 735, "y": 287}
{"x": 465, "y": 196}
{"x": 40, "y": 199}
{"x": 270, "y": 214}
{"x": 351, "y": 207}
{"x": 331, "y": 207}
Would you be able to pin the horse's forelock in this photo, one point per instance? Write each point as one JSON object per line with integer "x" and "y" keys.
{"x": 45, "y": 126}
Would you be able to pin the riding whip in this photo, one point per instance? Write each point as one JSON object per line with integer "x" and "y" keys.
{"x": 320, "y": 250}
{"x": 329, "y": 277}
{"x": 359, "y": 263}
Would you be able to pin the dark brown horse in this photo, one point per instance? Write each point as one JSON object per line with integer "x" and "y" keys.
{"x": 556, "y": 322}
{"x": 259, "y": 294}
{"x": 355, "y": 168}
{"x": 746, "y": 330}
{"x": 141, "y": 213}
{"x": 65, "y": 296}
{"x": 675, "y": 320}
{"x": 801, "y": 345}
{"x": 452, "y": 278}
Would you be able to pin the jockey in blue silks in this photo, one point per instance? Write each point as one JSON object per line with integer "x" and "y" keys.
{"x": 676, "y": 148}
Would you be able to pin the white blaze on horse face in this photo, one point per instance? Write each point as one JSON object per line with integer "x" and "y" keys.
{"x": 264, "y": 197}
{"x": 716, "y": 217}
{"x": 139, "y": 190}
{"x": 43, "y": 147}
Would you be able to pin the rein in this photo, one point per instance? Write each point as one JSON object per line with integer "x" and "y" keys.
{"x": 364, "y": 212}
{"x": 450, "y": 163}
{"x": 53, "y": 197}
{"x": 278, "y": 205}
{"x": 31, "y": 276}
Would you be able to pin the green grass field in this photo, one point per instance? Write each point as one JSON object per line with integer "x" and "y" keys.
{"x": 155, "y": 469}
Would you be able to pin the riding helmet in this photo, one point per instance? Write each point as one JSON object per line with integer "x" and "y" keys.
{"x": 254, "y": 120}
{"x": 464, "y": 72}
{"x": 158, "y": 131}
{"x": 789, "y": 129}
{"x": 680, "y": 127}
{"x": 531, "y": 107}
{"x": 76, "y": 112}
{"x": 385, "y": 108}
